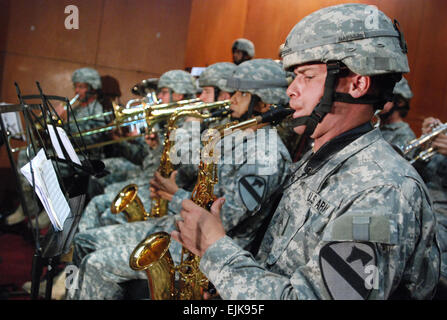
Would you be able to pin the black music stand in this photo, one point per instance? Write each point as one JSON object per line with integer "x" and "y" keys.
{"x": 55, "y": 243}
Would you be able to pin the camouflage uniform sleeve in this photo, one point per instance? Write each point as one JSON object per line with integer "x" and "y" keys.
{"x": 402, "y": 242}
{"x": 134, "y": 151}
{"x": 175, "y": 205}
{"x": 270, "y": 167}
{"x": 228, "y": 266}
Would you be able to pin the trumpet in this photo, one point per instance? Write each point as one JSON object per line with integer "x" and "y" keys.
{"x": 127, "y": 200}
{"x": 423, "y": 155}
{"x": 154, "y": 114}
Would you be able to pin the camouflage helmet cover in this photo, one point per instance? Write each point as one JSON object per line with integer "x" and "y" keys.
{"x": 360, "y": 36}
{"x": 403, "y": 88}
{"x": 87, "y": 75}
{"x": 262, "y": 77}
{"x": 216, "y": 75}
{"x": 244, "y": 45}
{"x": 178, "y": 81}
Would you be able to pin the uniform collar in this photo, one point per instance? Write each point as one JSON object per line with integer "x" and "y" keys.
{"x": 333, "y": 146}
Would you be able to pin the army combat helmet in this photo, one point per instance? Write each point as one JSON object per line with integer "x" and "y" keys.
{"x": 87, "y": 75}
{"x": 403, "y": 89}
{"x": 244, "y": 45}
{"x": 265, "y": 79}
{"x": 402, "y": 95}
{"x": 357, "y": 36}
{"x": 216, "y": 75}
{"x": 178, "y": 81}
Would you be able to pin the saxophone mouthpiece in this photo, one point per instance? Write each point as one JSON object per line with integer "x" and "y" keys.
{"x": 276, "y": 115}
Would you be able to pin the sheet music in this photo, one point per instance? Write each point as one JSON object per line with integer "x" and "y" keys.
{"x": 66, "y": 143}
{"x": 48, "y": 189}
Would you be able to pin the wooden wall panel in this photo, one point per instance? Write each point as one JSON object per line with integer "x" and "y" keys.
{"x": 37, "y": 28}
{"x": 4, "y": 22}
{"x": 213, "y": 26}
{"x": 54, "y": 76}
{"x": 130, "y": 40}
{"x": 428, "y": 76}
{"x": 267, "y": 24}
{"x": 147, "y": 36}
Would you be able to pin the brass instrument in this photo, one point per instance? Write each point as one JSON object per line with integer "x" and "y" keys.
{"x": 144, "y": 109}
{"x": 424, "y": 155}
{"x": 159, "y": 206}
{"x": 127, "y": 200}
{"x": 152, "y": 254}
{"x": 157, "y": 113}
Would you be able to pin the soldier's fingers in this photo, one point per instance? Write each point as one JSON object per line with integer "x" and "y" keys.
{"x": 217, "y": 206}
{"x": 189, "y": 205}
{"x": 183, "y": 214}
{"x": 173, "y": 175}
{"x": 164, "y": 195}
{"x": 154, "y": 184}
{"x": 176, "y": 236}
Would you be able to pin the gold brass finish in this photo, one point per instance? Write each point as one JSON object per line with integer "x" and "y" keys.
{"x": 128, "y": 202}
{"x": 192, "y": 282}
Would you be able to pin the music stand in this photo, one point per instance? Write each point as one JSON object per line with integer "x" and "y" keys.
{"x": 55, "y": 243}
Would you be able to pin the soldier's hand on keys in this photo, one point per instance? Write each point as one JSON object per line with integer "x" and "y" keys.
{"x": 200, "y": 228}
{"x": 157, "y": 193}
{"x": 440, "y": 143}
{"x": 429, "y": 123}
{"x": 165, "y": 184}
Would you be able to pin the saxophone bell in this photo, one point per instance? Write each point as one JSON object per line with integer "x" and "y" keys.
{"x": 128, "y": 202}
{"x": 152, "y": 255}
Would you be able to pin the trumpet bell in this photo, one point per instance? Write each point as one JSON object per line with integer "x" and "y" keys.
{"x": 152, "y": 255}
{"x": 128, "y": 202}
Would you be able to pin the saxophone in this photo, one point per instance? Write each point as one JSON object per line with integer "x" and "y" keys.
{"x": 127, "y": 200}
{"x": 152, "y": 253}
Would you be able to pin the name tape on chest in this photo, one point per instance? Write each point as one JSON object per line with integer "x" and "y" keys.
{"x": 315, "y": 201}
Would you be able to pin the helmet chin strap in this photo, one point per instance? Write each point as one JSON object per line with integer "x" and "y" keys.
{"x": 216, "y": 93}
{"x": 329, "y": 97}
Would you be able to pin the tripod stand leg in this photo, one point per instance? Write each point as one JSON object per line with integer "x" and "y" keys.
{"x": 50, "y": 276}
{"x": 36, "y": 274}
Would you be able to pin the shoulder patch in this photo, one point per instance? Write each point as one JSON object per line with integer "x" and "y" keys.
{"x": 252, "y": 190}
{"x": 349, "y": 269}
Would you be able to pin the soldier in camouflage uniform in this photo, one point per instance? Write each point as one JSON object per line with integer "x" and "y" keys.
{"x": 392, "y": 125}
{"x": 103, "y": 253}
{"x": 434, "y": 173}
{"x": 174, "y": 85}
{"x": 355, "y": 220}
{"x": 87, "y": 83}
{"x": 213, "y": 82}
{"x": 242, "y": 50}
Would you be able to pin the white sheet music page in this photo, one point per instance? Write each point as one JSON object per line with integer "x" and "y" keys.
{"x": 66, "y": 143}
{"x": 48, "y": 189}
